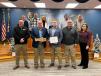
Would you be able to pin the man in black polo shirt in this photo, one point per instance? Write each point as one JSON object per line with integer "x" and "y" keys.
{"x": 21, "y": 34}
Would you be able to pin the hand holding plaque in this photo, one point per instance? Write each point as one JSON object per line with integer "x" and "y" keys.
{"x": 40, "y": 39}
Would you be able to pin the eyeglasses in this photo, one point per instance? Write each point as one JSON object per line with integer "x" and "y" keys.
{"x": 84, "y": 26}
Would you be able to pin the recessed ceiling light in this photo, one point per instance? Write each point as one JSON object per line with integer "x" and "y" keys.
{"x": 8, "y": 4}
{"x": 82, "y": 1}
{"x": 99, "y": 6}
{"x": 13, "y": 0}
{"x": 72, "y": 5}
{"x": 99, "y": 0}
{"x": 34, "y": 0}
{"x": 40, "y": 5}
{"x": 57, "y": 0}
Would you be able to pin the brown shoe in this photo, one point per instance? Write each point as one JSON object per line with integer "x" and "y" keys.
{"x": 59, "y": 67}
{"x": 16, "y": 67}
{"x": 26, "y": 66}
{"x": 51, "y": 65}
{"x": 74, "y": 67}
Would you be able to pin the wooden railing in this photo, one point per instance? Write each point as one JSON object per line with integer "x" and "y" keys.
{"x": 5, "y": 50}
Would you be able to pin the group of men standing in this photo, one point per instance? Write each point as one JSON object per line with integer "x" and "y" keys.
{"x": 67, "y": 36}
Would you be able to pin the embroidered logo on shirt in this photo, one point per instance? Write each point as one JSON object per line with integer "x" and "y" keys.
{"x": 23, "y": 29}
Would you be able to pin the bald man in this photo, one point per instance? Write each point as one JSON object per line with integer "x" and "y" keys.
{"x": 21, "y": 34}
{"x": 70, "y": 39}
{"x": 39, "y": 36}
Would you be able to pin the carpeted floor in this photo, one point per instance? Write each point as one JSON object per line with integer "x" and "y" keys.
{"x": 6, "y": 69}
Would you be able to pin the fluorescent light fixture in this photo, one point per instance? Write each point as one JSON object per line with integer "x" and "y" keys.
{"x": 8, "y": 4}
{"x": 99, "y": 6}
{"x": 40, "y": 5}
{"x": 71, "y": 5}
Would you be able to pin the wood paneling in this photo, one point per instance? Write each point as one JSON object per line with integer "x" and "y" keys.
{"x": 6, "y": 53}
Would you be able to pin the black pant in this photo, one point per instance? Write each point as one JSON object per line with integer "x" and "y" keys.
{"x": 84, "y": 55}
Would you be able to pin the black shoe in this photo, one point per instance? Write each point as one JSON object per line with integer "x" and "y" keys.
{"x": 74, "y": 67}
{"x": 36, "y": 67}
{"x": 66, "y": 66}
{"x": 42, "y": 66}
{"x": 51, "y": 65}
{"x": 84, "y": 67}
{"x": 80, "y": 65}
{"x": 16, "y": 67}
{"x": 26, "y": 66}
{"x": 59, "y": 67}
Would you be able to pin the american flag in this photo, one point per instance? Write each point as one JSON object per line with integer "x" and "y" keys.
{"x": 3, "y": 28}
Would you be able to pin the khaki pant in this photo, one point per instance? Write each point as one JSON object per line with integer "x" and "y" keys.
{"x": 21, "y": 49}
{"x": 56, "y": 51}
{"x": 39, "y": 55}
{"x": 70, "y": 53}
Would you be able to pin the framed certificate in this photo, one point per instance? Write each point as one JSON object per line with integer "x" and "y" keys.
{"x": 96, "y": 55}
{"x": 13, "y": 54}
{"x": 53, "y": 39}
